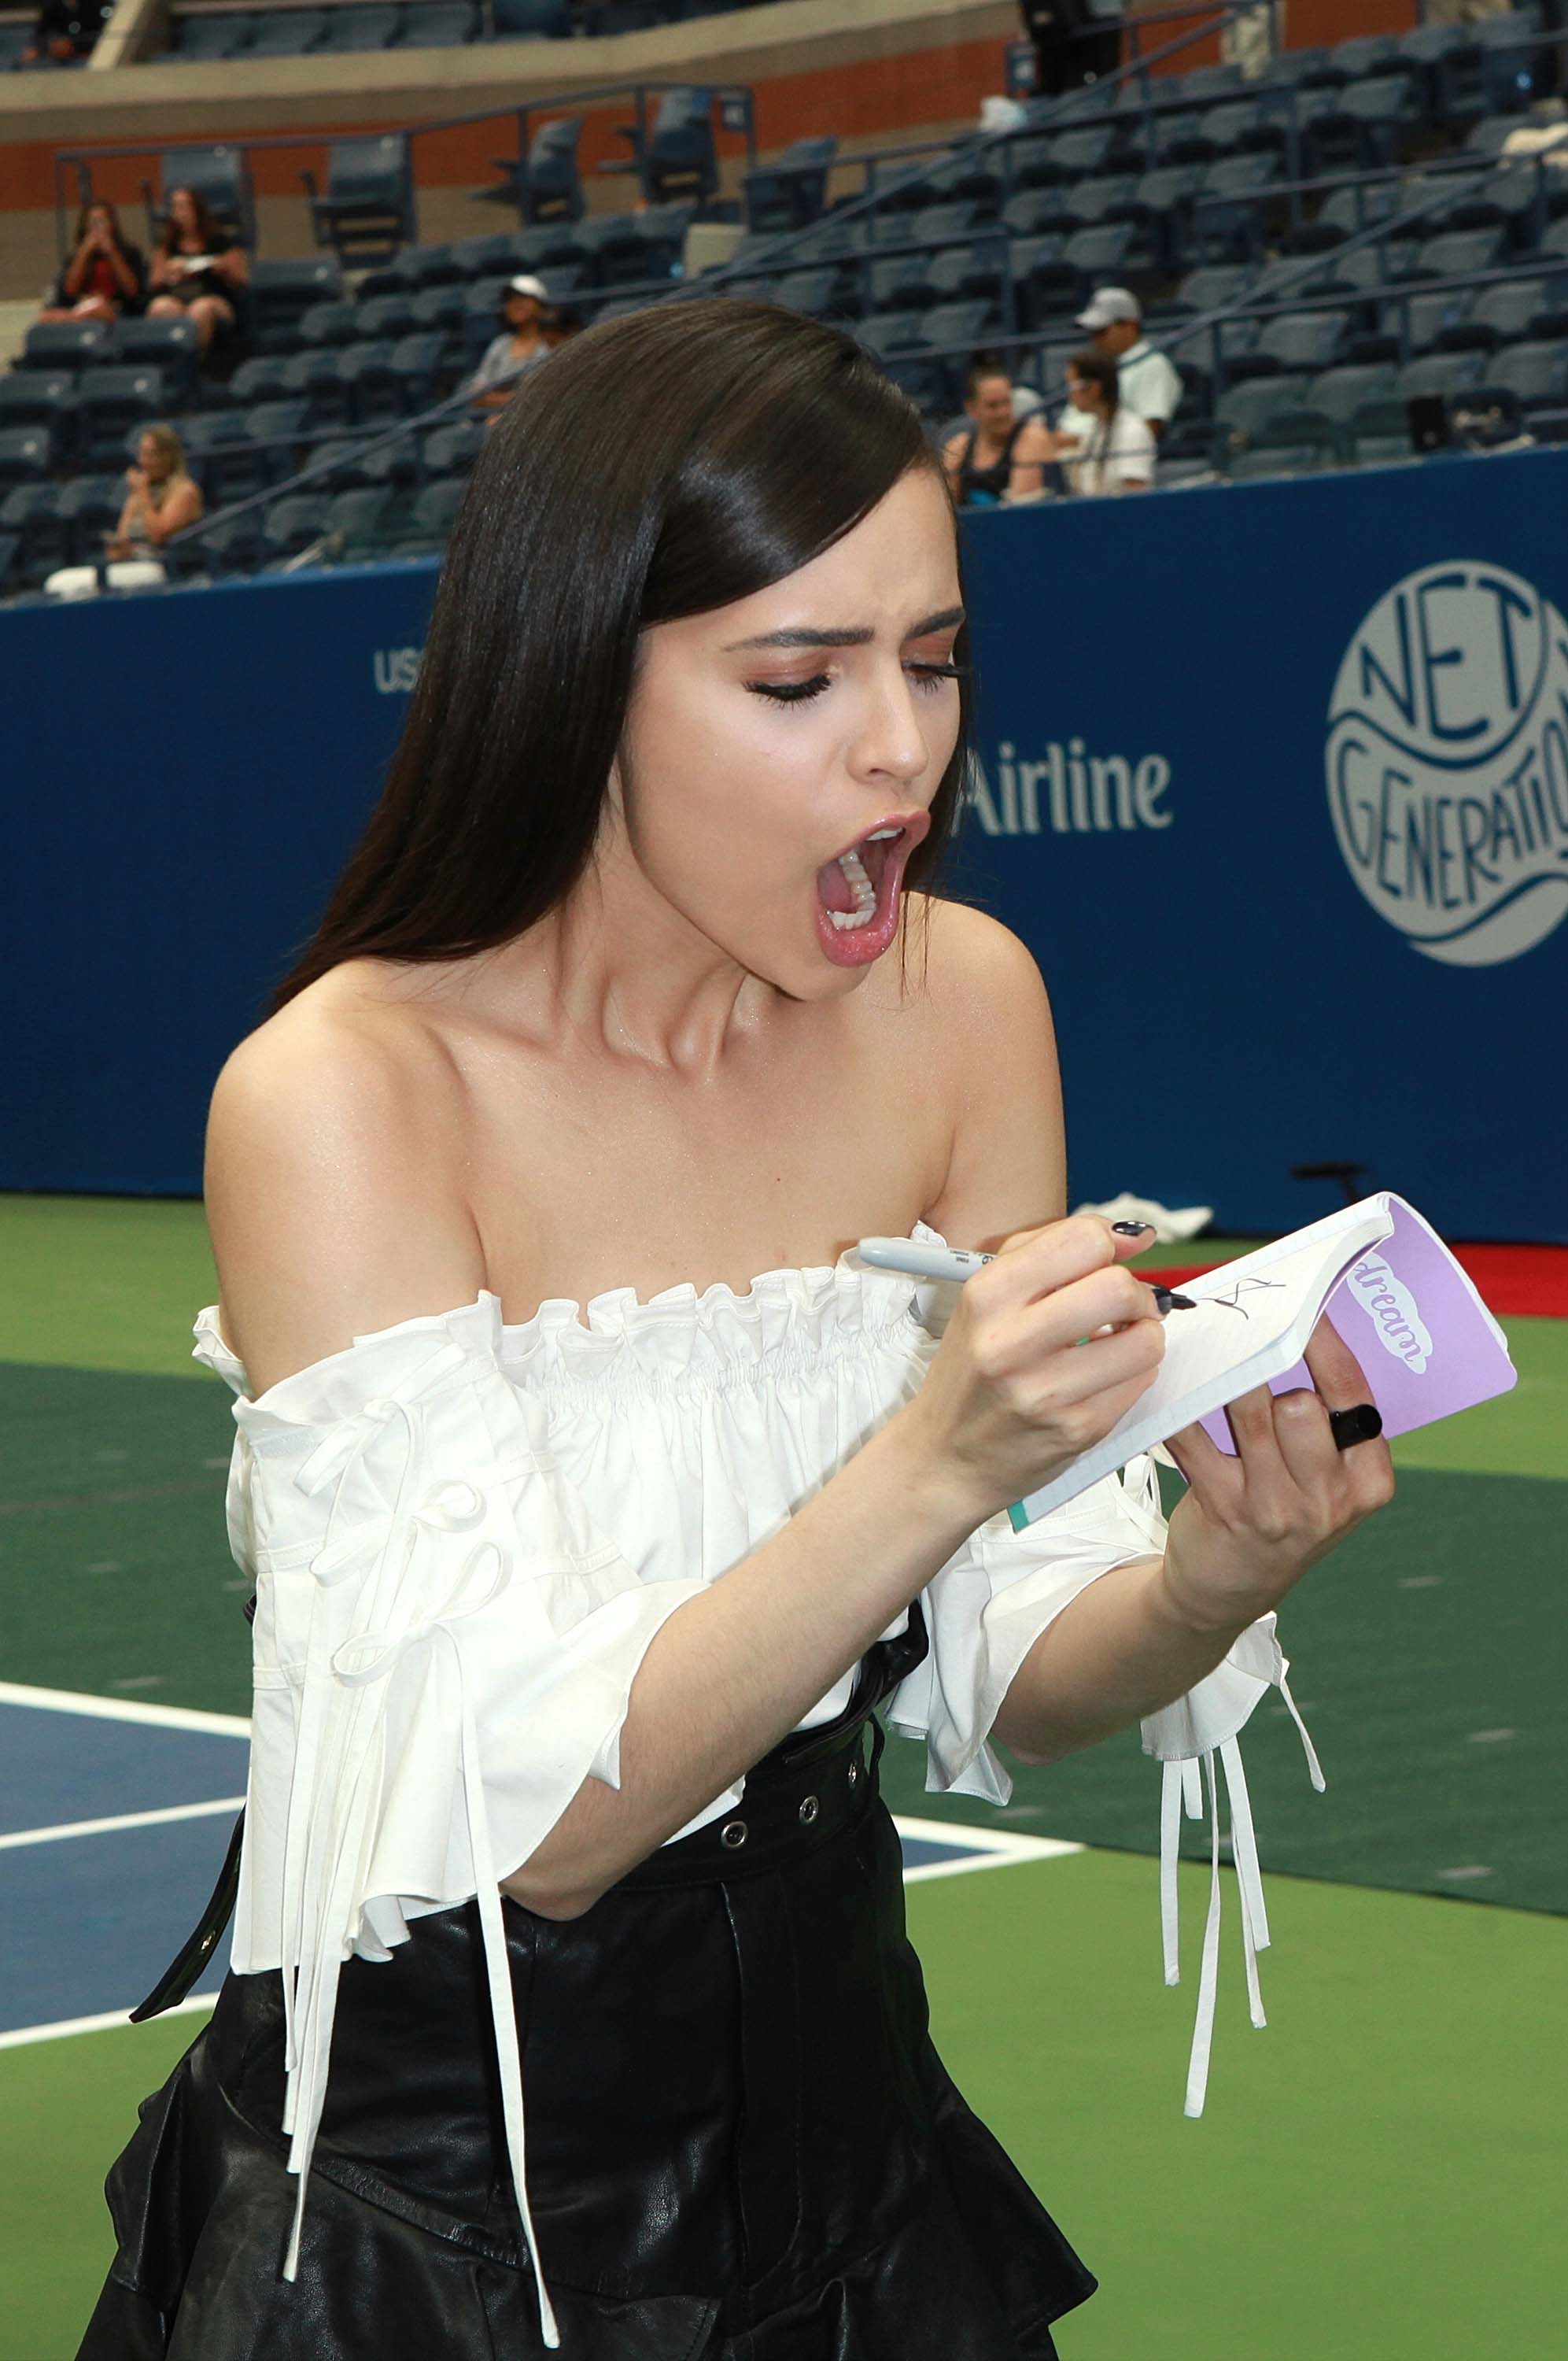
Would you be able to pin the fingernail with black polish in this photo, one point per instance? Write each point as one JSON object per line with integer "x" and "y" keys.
{"x": 1130, "y": 1229}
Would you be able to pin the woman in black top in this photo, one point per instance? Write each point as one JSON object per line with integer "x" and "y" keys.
{"x": 198, "y": 268}
{"x": 1000, "y": 456}
{"x": 104, "y": 275}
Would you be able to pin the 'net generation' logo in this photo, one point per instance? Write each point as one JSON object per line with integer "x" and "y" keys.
{"x": 1448, "y": 762}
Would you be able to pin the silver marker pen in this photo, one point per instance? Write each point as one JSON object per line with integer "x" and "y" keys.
{"x": 922, "y": 1261}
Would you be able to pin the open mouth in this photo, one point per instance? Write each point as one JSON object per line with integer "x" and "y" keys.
{"x": 858, "y": 894}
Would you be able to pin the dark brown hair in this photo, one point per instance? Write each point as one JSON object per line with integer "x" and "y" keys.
{"x": 1100, "y": 370}
{"x": 98, "y": 206}
{"x": 659, "y": 465}
{"x": 215, "y": 238}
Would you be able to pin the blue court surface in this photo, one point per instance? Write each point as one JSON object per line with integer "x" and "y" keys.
{"x": 114, "y": 1819}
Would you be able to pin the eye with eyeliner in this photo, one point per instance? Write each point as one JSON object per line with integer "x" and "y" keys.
{"x": 801, "y": 692}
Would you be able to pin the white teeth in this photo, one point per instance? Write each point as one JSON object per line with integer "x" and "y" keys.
{"x": 877, "y": 834}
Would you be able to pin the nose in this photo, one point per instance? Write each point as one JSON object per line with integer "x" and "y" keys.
{"x": 891, "y": 741}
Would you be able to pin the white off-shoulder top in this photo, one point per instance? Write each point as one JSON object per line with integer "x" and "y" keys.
{"x": 463, "y": 1535}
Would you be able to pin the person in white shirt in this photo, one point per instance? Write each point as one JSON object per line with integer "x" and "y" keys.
{"x": 1151, "y": 385}
{"x": 1102, "y": 445}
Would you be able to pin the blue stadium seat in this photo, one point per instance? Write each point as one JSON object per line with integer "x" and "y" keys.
{"x": 1340, "y": 393}
{"x": 1442, "y": 373}
{"x": 1516, "y": 65}
{"x": 212, "y": 39}
{"x": 444, "y": 312}
{"x": 1206, "y": 83}
{"x": 281, "y": 424}
{"x": 1100, "y": 256}
{"x": 1344, "y": 214}
{"x": 534, "y": 20}
{"x": 431, "y": 266}
{"x": 792, "y": 189}
{"x": 32, "y": 528}
{"x": 1451, "y": 65}
{"x": 431, "y": 517}
{"x": 368, "y": 212}
{"x": 290, "y": 33}
{"x": 89, "y": 508}
{"x": 1364, "y": 128}
{"x": 966, "y": 272}
{"x": 370, "y": 374}
{"x": 483, "y": 257}
{"x": 452, "y": 450}
{"x": 812, "y": 291}
{"x": 282, "y": 292}
{"x": 420, "y": 365}
{"x": 1505, "y": 313}
{"x": 613, "y": 248}
{"x": 900, "y": 283}
{"x": 351, "y": 30}
{"x": 1291, "y": 343}
{"x": 1367, "y": 54}
{"x": 166, "y": 344}
{"x": 1043, "y": 285}
{"x": 25, "y": 455}
{"x": 314, "y": 379}
{"x": 1207, "y": 288}
{"x": 1233, "y": 228}
{"x": 45, "y": 398}
{"x": 333, "y": 325}
{"x": 73, "y": 344}
{"x": 218, "y": 450}
{"x": 354, "y": 523}
{"x": 1453, "y": 254}
{"x": 115, "y": 401}
{"x": 1242, "y": 408}
{"x": 1536, "y": 374}
{"x": 1078, "y": 154}
{"x": 681, "y": 161}
{"x": 289, "y": 526}
{"x": 1288, "y": 443}
{"x": 382, "y": 315}
{"x": 547, "y": 184}
{"x": 1425, "y": 323}
{"x": 439, "y": 24}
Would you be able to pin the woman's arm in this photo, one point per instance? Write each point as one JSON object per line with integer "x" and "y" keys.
{"x": 161, "y": 268}
{"x": 1035, "y": 448}
{"x": 233, "y": 264}
{"x": 1142, "y": 1634}
{"x": 181, "y": 508}
{"x": 125, "y": 270}
{"x": 75, "y": 272}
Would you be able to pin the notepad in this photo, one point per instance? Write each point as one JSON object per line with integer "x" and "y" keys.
{"x": 1389, "y": 1286}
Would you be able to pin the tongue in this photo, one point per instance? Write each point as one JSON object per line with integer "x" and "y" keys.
{"x": 834, "y": 887}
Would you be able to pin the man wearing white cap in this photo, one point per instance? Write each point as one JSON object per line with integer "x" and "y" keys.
{"x": 521, "y": 346}
{"x": 1148, "y": 383}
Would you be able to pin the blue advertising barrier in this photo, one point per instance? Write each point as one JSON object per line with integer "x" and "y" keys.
{"x": 1273, "y": 780}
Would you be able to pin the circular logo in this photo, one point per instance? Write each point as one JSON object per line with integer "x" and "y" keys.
{"x": 1448, "y": 762}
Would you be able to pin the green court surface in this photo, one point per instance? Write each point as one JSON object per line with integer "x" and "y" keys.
{"x": 1373, "y": 2176}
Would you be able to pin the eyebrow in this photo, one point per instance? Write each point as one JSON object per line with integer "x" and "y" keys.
{"x": 849, "y": 636}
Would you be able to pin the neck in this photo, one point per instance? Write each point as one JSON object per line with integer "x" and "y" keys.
{"x": 617, "y": 972}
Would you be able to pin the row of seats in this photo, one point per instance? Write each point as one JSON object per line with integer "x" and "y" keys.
{"x": 207, "y": 37}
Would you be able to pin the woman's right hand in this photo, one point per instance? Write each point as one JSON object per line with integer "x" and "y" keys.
{"x": 1012, "y": 1395}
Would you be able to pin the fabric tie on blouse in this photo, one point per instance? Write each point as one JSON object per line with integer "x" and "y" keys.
{"x": 464, "y": 1535}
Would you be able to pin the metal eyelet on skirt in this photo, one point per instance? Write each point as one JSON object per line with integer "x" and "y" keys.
{"x": 808, "y": 1810}
{"x": 854, "y": 1774}
{"x": 733, "y": 1834}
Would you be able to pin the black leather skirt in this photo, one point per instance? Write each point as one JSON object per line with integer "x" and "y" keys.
{"x": 741, "y": 2144}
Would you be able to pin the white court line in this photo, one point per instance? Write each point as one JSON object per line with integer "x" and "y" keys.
{"x": 105, "y": 2024}
{"x": 985, "y": 1848}
{"x": 121, "y": 1821}
{"x": 162, "y": 1716}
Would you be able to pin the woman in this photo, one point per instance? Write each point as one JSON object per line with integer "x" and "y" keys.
{"x": 198, "y": 270}
{"x": 1103, "y": 446}
{"x": 1002, "y": 456}
{"x": 582, "y": 1551}
{"x": 161, "y": 499}
{"x": 521, "y": 346}
{"x": 105, "y": 273}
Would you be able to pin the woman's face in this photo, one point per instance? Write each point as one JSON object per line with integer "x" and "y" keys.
{"x": 521, "y": 312}
{"x": 182, "y": 210}
{"x": 1083, "y": 394}
{"x": 150, "y": 459}
{"x": 766, "y": 737}
{"x": 990, "y": 405}
{"x": 100, "y": 222}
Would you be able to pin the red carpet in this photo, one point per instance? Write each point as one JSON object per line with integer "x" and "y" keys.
{"x": 1533, "y": 1280}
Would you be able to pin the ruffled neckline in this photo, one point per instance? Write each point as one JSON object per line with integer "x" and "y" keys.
{"x": 677, "y": 1332}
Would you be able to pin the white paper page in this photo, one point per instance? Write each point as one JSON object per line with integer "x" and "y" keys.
{"x": 1254, "y": 1320}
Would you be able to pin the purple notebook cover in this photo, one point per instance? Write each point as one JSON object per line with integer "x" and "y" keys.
{"x": 1412, "y": 1317}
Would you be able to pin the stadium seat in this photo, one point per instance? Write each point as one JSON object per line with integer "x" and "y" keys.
{"x": 382, "y": 315}
{"x": 1455, "y": 254}
{"x": 1340, "y": 393}
{"x": 811, "y": 291}
{"x": 1344, "y": 214}
{"x": 313, "y": 379}
{"x": 444, "y": 312}
{"x": 220, "y": 455}
{"x": 681, "y": 159}
{"x": 232, "y": 545}
{"x": 1443, "y": 373}
{"x": 1209, "y": 287}
{"x": 483, "y": 257}
{"x": 1451, "y": 65}
{"x": 1515, "y": 65}
{"x": 1367, "y": 54}
{"x": 1079, "y": 155}
{"x": 1242, "y": 410}
{"x": 350, "y": 30}
{"x": 533, "y": 20}
{"x": 792, "y": 190}
{"x": 1287, "y": 443}
{"x": 439, "y": 24}
{"x": 431, "y": 517}
{"x": 1504, "y": 315}
{"x": 45, "y": 398}
{"x": 1535, "y": 374}
{"x": 611, "y": 244}
{"x": 452, "y": 450}
{"x": 283, "y": 291}
{"x": 289, "y": 526}
{"x": 1379, "y": 431}
{"x": 1043, "y": 285}
{"x": 418, "y": 367}
{"x": 900, "y": 283}
{"x": 1427, "y": 323}
{"x": 74, "y": 345}
{"x": 370, "y": 375}
{"x": 965, "y": 324}
{"x": 1206, "y": 84}
{"x": 289, "y": 33}
{"x": 1100, "y": 256}
{"x": 1161, "y": 206}
{"x": 115, "y": 401}
{"x": 967, "y": 272}
{"x": 25, "y": 455}
{"x": 220, "y": 176}
{"x": 1291, "y": 343}
{"x": 368, "y": 212}
{"x": 1229, "y": 217}
{"x": 212, "y": 39}
{"x": 171, "y": 345}
{"x": 89, "y": 507}
{"x": 353, "y": 523}
{"x": 31, "y": 522}
{"x": 281, "y": 425}
{"x": 547, "y": 184}
{"x": 333, "y": 325}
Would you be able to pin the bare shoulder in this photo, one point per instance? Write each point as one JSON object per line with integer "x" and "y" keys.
{"x": 979, "y": 974}
{"x": 332, "y": 1182}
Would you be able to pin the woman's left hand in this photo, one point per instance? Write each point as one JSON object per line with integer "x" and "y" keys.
{"x": 1249, "y": 1527}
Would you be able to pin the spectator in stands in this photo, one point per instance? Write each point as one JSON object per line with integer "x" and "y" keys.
{"x": 161, "y": 499}
{"x": 1102, "y": 445}
{"x": 105, "y": 273}
{"x": 560, "y": 322}
{"x": 1003, "y": 454}
{"x": 199, "y": 269}
{"x": 1150, "y": 385}
{"x": 66, "y": 30}
{"x": 523, "y": 344}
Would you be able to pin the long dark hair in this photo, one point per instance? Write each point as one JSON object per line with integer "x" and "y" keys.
{"x": 1103, "y": 371}
{"x": 660, "y": 465}
{"x": 213, "y": 236}
{"x": 99, "y": 206}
